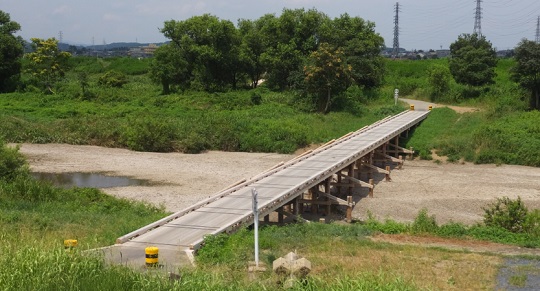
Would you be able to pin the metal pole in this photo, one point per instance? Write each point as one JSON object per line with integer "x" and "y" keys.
{"x": 256, "y": 224}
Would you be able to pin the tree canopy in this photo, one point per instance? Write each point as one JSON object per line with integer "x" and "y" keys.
{"x": 47, "y": 63}
{"x": 473, "y": 60}
{"x": 527, "y": 69}
{"x": 11, "y": 51}
{"x": 212, "y": 54}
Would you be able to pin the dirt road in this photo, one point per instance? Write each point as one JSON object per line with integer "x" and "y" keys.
{"x": 454, "y": 192}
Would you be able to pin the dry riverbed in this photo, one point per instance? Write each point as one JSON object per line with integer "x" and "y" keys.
{"x": 452, "y": 192}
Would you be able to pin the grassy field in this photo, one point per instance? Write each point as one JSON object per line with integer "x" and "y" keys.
{"x": 35, "y": 218}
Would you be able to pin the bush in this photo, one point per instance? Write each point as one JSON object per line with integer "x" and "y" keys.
{"x": 423, "y": 223}
{"x": 256, "y": 99}
{"x": 113, "y": 79}
{"x": 532, "y": 223}
{"x": 506, "y": 213}
{"x": 12, "y": 163}
{"x": 149, "y": 134}
{"x": 439, "y": 80}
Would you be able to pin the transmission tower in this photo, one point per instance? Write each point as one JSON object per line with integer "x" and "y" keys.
{"x": 478, "y": 18}
{"x": 395, "y": 50}
{"x": 538, "y": 30}
{"x": 60, "y": 36}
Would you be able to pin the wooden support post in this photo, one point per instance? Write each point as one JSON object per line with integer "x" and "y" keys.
{"x": 411, "y": 155}
{"x": 301, "y": 204}
{"x": 400, "y": 164}
{"x": 349, "y": 209}
{"x": 313, "y": 199}
{"x": 371, "y": 189}
{"x": 339, "y": 184}
{"x": 280, "y": 215}
{"x": 370, "y": 162}
{"x": 396, "y": 142}
{"x": 358, "y": 168}
{"x": 295, "y": 206}
{"x": 350, "y": 174}
{"x": 267, "y": 218}
{"x": 327, "y": 191}
{"x": 387, "y": 175}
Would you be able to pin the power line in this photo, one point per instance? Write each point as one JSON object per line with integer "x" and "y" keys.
{"x": 395, "y": 50}
{"x": 478, "y": 18}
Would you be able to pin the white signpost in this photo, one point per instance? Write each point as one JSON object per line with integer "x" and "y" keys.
{"x": 396, "y": 96}
{"x": 256, "y": 224}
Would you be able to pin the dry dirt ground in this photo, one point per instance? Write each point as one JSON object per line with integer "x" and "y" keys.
{"x": 451, "y": 192}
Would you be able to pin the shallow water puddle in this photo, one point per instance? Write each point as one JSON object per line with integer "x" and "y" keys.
{"x": 89, "y": 180}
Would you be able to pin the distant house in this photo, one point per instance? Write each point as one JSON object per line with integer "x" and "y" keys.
{"x": 505, "y": 53}
{"x": 442, "y": 53}
{"x": 143, "y": 51}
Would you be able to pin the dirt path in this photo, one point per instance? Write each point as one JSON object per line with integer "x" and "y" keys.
{"x": 423, "y": 105}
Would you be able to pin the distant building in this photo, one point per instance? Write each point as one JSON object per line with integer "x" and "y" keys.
{"x": 143, "y": 51}
{"x": 442, "y": 53}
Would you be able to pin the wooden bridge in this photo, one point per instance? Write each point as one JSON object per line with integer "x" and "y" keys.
{"x": 316, "y": 179}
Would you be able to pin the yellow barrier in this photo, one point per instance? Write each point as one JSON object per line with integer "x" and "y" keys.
{"x": 412, "y": 106}
{"x": 151, "y": 256}
{"x": 70, "y": 243}
{"x": 430, "y": 107}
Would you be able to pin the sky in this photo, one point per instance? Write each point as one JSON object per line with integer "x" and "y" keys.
{"x": 423, "y": 24}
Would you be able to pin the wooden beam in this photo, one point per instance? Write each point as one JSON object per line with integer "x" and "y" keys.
{"x": 315, "y": 202}
{"x": 288, "y": 214}
{"x": 403, "y": 150}
{"x": 333, "y": 198}
{"x": 356, "y": 181}
{"x": 377, "y": 169}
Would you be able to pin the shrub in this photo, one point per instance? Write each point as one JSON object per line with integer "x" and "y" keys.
{"x": 12, "y": 163}
{"x": 506, "y": 213}
{"x": 439, "y": 80}
{"x": 532, "y": 223}
{"x": 423, "y": 223}
{"x": 149, "y": 134}
{"x": 256, "y": 99}
{"x": 452, "y": 229}
{"x": 113, "y": 79}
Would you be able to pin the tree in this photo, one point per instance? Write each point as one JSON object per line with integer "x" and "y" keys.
{"x": 473, "y": 60}
{"x": 169, "y": 67}
{"x": 11, "y": 52}
{"x": 527, "y": 69}
{"x": 327, "y": 75}
{"x": 210, "y": 47}
{"x": 47, "y": 63}
{"x": 439, "y": 80}
{"x": 252, "y": 48}
{"x": 362, "y": 48}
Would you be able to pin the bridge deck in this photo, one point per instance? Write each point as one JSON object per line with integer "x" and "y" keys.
{"x": 232, "y": 208}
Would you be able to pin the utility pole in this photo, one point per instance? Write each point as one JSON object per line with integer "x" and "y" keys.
{"x": 478, "y": 18}
{"x": 538, "y": 30}
{"x": 395, "y": 50}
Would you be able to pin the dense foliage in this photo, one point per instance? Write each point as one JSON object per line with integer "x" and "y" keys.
{"x": 47, "y": 64}
{"x": 527, "y": 69}
{"x": 206, "y": 53}
{"x": 11, "y": 52}
{"x": 473, "y": 60}
{"x": 507, "y": 213}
